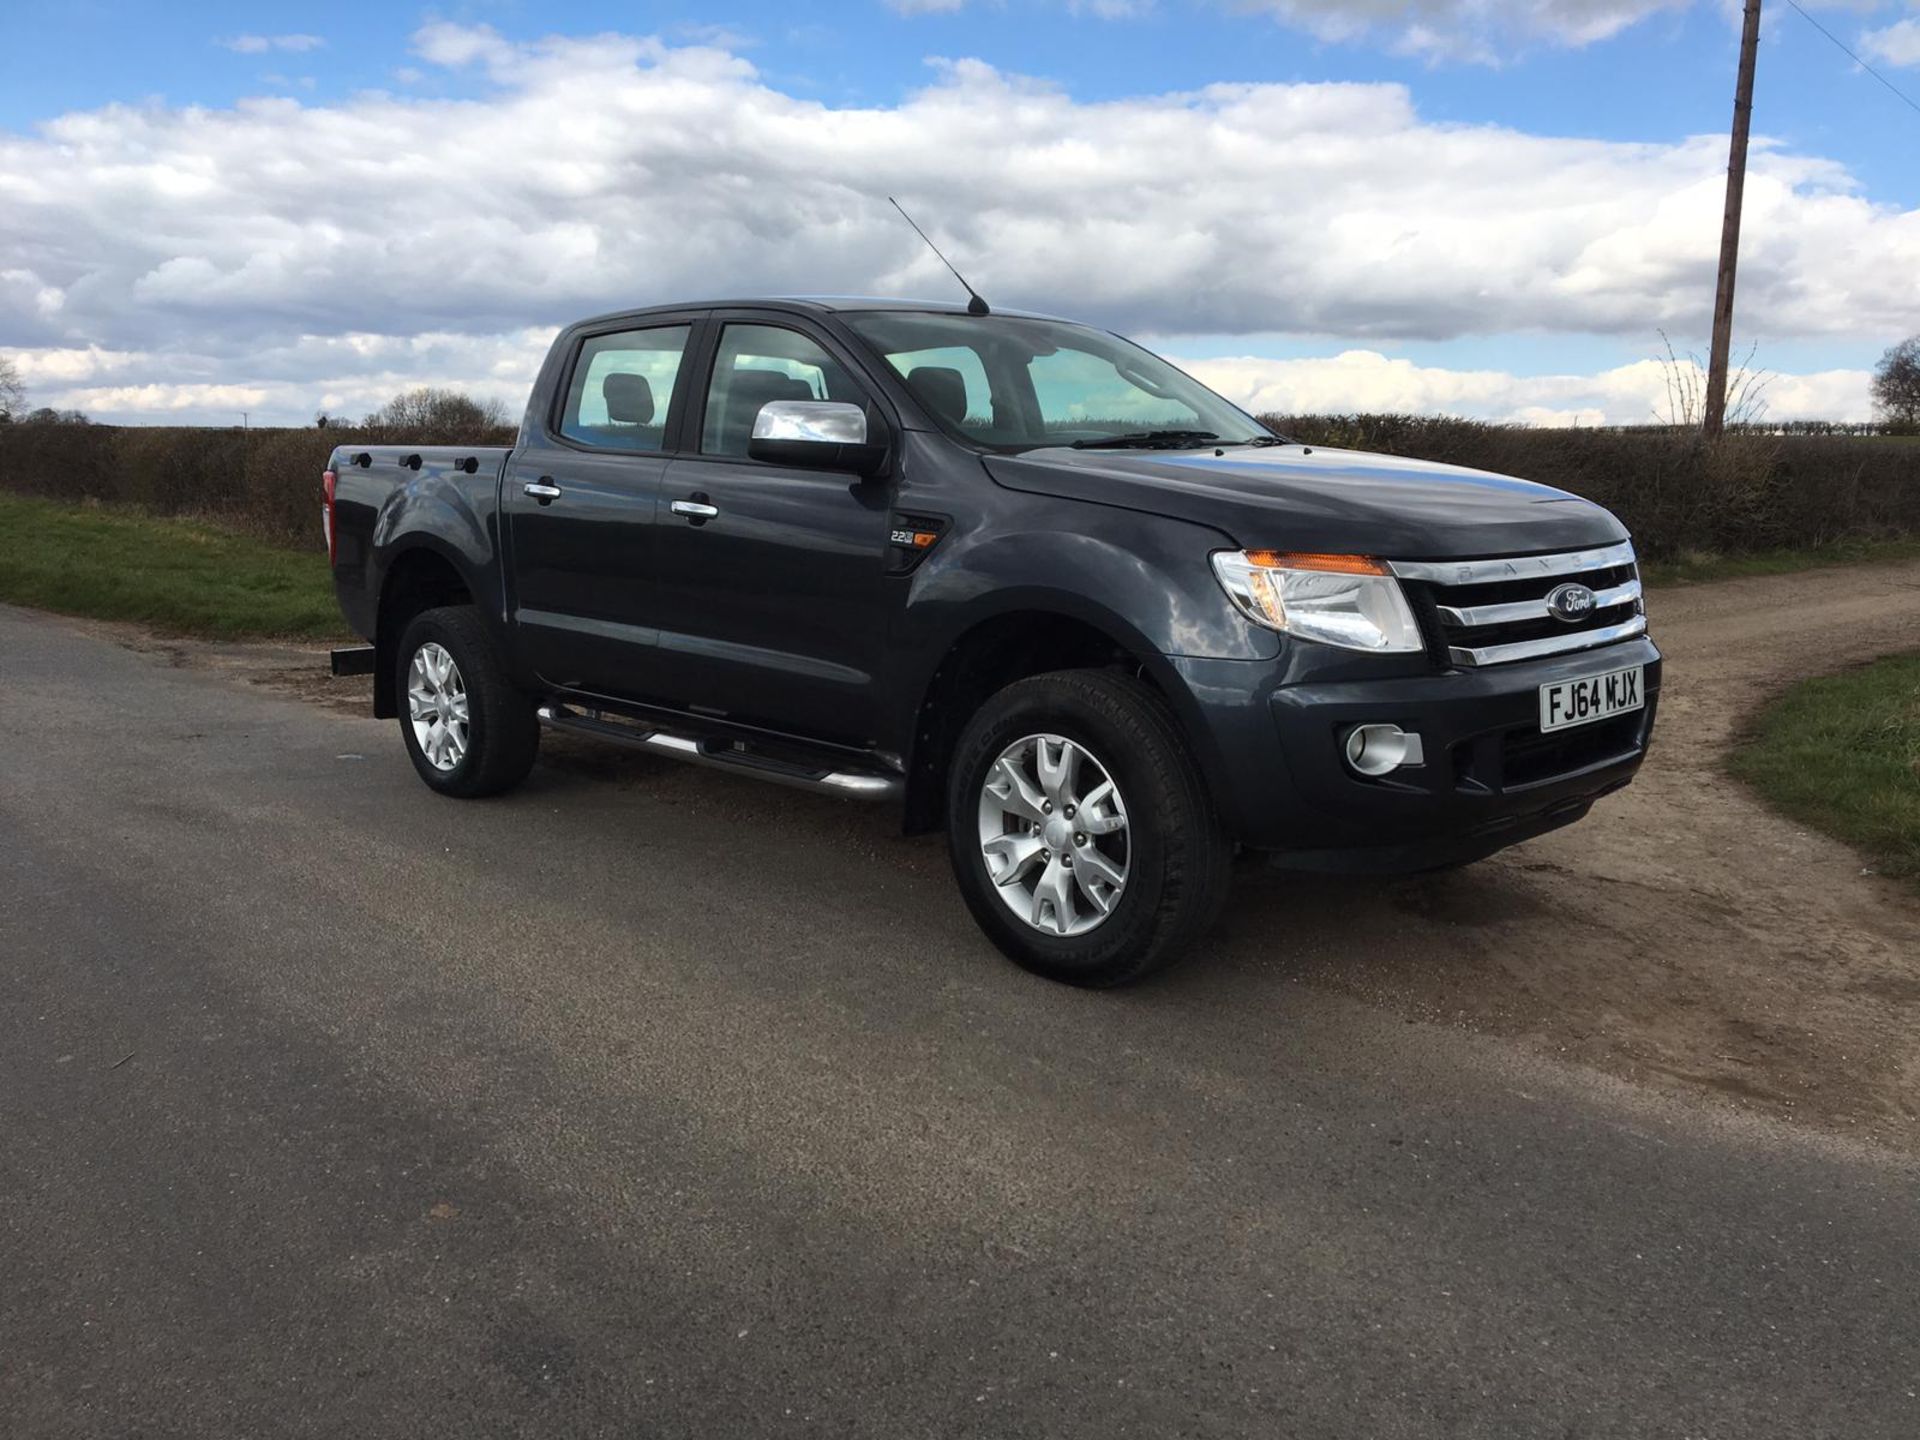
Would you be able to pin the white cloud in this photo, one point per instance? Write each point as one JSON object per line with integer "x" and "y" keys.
{"x": 262, "y": 44}
{"x": 1897, "y": 44}
{"x": 717, "y": 36}
{"x": 71, "y": 366}
{"x": 1481, "y": 30}
{"x": 352, "y": 374}
{"x": 236, "y": 245}
{"x": 345, "y": 375}
{"x": 1367, "y": 381}
{"x": 442, "y": 42}
{"x": 162, "y": 403}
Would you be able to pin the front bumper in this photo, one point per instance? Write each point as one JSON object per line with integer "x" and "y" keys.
{"x": 1490, "y": 778}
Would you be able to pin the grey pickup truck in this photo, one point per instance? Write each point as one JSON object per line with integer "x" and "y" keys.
{"x": 1017, "y": 577}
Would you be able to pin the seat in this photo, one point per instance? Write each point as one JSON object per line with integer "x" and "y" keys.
{"x": 943, "y": 389}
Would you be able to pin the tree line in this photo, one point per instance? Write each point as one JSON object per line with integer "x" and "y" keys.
{"x": 13, "y": 402}
{"x": 425, "y": 407}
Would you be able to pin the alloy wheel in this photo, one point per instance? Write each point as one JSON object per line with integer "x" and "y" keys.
{"x": 1053, "y": 833}
{"x": 437, "y": 706}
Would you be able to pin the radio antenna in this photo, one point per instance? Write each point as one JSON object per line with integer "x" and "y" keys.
{"x": 975, "y": 305}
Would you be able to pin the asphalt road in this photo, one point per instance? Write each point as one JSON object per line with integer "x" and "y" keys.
{"x": 696, "y": 1108}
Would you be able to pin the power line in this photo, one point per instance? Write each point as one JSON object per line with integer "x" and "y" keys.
{"x": 1911, "y": 102}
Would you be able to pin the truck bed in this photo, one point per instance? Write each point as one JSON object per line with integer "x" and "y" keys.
{"x": 402, "y": 464}
{"x": 383, "y": 490}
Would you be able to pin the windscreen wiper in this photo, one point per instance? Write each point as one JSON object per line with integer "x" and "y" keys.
{"x": 1148, "y": 440}
{"x": 1259, "y": 440}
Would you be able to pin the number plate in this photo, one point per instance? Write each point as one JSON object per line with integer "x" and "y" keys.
{"x": 1581, "y": 702}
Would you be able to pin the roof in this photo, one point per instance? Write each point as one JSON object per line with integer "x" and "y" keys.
{"x": 814, "y": 305}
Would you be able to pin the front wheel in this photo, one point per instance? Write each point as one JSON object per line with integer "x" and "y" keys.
{"x": 1081, "y": 831}
{"x": 468, "y": 731}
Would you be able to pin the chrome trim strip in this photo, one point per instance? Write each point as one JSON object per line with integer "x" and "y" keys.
{"x": 850, "y": 783}
{"x": 1472, "y": 616}
{"x": 1518, "y": 567}
{"x": 1551, "y": 645}
{"x": 862, "y": 787}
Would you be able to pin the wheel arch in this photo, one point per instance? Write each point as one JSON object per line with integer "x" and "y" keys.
{"x": 420, "y": 576}
{"x": 1038, "y": 636}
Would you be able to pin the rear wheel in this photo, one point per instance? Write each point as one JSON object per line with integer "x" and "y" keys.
{"x": 468, "y": 731}
{"x": 1081, "y": 832}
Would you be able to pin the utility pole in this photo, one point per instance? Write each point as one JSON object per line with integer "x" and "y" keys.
{"x": 1716, "y": 417}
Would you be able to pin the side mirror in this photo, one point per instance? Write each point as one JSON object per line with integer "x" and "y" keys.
{"x": 815, "y": 435}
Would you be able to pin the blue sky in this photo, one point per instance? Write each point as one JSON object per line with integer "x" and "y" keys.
{"x": 1530, "y": 79}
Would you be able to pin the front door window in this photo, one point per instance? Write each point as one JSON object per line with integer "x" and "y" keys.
{"x": 759, "y": 363}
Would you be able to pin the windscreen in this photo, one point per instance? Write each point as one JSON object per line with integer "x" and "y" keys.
{"x": 1017, "y": 384}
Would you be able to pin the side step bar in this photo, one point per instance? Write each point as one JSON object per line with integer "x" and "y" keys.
{"x": 353, "y": 660}
{"x": 722, "y": 755}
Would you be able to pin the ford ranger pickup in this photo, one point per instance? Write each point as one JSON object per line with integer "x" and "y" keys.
{"x": 1017, "y": 577}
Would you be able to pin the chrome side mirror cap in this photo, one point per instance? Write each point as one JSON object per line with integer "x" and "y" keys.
{"x": 815, "y": 435}
{"x": 824, "y": 422}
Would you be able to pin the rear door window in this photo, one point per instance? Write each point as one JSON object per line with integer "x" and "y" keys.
{"x": 622, "y": 385}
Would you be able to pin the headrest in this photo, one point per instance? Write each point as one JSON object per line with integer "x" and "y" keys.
{"x": 943, "y": 388}
{"x": 757, "y": 387}
{"x": 629, "y": 398}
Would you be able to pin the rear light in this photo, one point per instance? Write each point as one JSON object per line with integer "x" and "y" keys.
{"x": 327, "y": 483}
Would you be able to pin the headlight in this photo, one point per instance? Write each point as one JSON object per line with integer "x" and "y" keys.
{"x": 1345, "y": 600}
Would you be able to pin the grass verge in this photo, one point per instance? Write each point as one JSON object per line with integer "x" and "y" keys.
{"x": 179, "y": 576}
{"x": 1842, "y": 753}
{"x": 1695, "y": 568}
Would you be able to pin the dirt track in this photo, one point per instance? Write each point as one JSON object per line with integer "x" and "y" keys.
{"x": 1683, "y": 936}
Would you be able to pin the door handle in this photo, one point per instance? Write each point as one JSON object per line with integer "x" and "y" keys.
{"x": 543, "y": 489}
{"x": 694, "y": 509}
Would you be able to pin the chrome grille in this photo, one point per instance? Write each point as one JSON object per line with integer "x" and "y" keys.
{"x": 1493, "y": 612}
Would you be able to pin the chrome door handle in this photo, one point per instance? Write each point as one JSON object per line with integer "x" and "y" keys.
{"x": 694, "y": 510}
{"x": 542, "y": 490}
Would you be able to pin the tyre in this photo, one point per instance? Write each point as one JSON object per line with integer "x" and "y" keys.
{"x": 467, "y": 729}
{"x": 1081, "y": 831}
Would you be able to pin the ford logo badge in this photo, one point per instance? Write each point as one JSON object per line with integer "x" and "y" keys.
{"x": 1571, "y": 603}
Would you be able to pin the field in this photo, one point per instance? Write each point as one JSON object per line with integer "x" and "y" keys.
{"x": 181, "y": 577}
{"x": 1842, "y": 752}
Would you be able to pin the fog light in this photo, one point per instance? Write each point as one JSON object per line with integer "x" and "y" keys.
{"x": 1379, "y": 749}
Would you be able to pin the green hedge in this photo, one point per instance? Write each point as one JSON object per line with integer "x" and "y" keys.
{"x": 1676, "y": 493}
{"x": 262, "y": 482}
